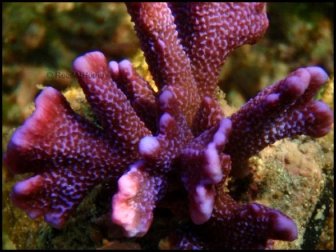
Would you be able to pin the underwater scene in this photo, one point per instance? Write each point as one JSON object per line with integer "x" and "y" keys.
{"x": 168, "y": 126}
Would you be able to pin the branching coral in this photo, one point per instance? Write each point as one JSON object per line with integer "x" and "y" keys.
{"x": 144, "y": 136}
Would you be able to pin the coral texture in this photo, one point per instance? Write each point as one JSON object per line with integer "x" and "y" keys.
{"x": 142, "y": 137}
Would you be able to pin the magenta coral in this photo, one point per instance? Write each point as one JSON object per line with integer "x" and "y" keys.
{"x": 144, "y": 136}
{"x": 282, "y": 110}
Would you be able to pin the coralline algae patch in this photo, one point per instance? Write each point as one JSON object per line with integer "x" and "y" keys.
{"x": 299, "y": 159}
{"x": 290, "y": 175}
{"x": 19, "y": 231}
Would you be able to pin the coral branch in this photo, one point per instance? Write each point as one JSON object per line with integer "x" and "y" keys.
{"x": 208, "y": 34}
{"x": 204, "y": 165}
{"x": 137, "y": 90}
{"x": 279, "y": 111}
{"x": 165, "y": 56}
{"x": 133, "y": 205}
{"x": 248, "y": 226}
{"x": 69, "y": 155}
{"x": 108, "y": 102}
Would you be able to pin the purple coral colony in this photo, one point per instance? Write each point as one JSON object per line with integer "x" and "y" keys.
{"x": 145, "y": 138}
